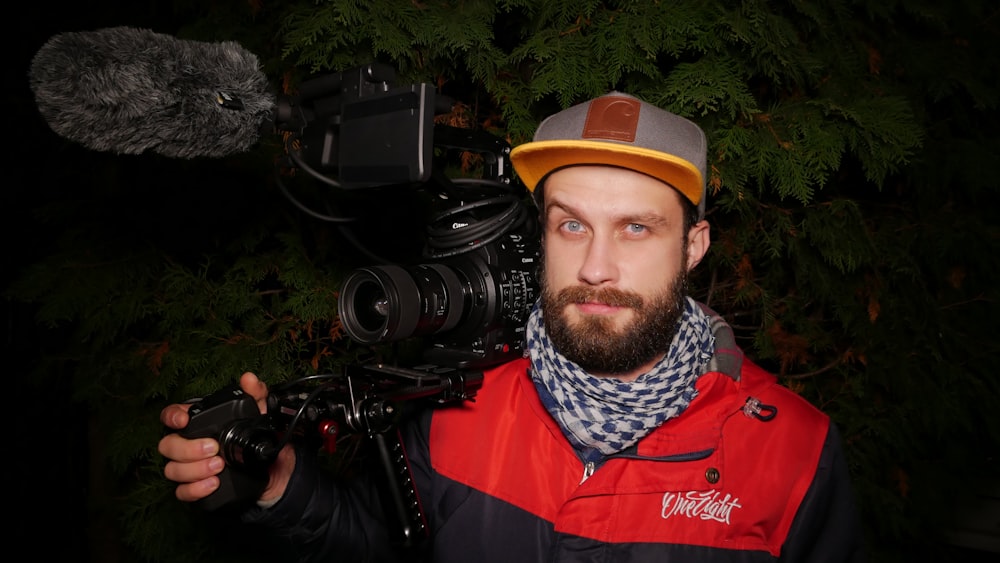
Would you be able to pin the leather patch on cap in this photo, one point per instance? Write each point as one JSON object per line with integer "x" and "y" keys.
{"x": 612, "y": 118}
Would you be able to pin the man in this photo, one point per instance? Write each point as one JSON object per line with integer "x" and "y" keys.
{"x": 636, "y": 430}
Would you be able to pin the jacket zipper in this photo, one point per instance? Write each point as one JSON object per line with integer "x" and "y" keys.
{"x": 588, "y": 470}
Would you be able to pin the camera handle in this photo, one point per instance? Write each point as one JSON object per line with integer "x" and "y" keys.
{"x": 231, "y": 412}
{"x": 399, "y": 497}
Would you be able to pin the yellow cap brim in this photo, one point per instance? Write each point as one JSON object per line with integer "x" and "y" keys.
{"x": 535, "y": 160}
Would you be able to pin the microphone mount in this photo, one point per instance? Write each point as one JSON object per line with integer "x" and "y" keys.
{"x": 364, "y": 131}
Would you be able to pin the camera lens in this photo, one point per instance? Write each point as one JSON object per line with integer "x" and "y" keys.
{"x": 389, "y": 303}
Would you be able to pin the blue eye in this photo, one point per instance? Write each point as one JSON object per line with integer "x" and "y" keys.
{"x": 573, "y": 226}
{"x": 636, "y": 228}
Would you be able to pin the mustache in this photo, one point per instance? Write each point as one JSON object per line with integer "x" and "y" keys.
{"x": 605, "y": 295}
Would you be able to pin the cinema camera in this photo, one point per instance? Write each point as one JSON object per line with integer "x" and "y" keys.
{"x": 466, "y": 298}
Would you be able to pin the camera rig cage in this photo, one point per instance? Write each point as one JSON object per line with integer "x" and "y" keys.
{"x": 470, "y": 293}
{"x": 469, "y": 299}
{"x": 319, "y": 410}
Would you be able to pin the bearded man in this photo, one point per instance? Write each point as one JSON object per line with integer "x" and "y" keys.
{"x": 634, "y": 430}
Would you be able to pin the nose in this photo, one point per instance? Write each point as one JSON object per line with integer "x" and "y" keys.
{"x": 598, "y": 265}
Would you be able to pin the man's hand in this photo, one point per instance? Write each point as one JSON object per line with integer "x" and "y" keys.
{"x": 195, "y": 463}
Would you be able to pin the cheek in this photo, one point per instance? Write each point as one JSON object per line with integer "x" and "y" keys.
{"x": 649, "y": 272}
{"x": 561, "y": 264}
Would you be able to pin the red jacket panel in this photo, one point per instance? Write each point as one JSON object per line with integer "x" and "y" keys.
{"x": 713, "y": 477}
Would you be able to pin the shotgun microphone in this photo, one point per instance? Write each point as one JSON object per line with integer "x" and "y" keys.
{"x": 128, "y": 90}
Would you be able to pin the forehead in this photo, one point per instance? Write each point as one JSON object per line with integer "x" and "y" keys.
{"x": 612, "y": 189}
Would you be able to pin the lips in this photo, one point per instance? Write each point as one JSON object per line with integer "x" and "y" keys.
{"x": 597, "y": 308}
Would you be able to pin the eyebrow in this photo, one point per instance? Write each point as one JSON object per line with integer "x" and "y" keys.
{"x": 640, "y": 218}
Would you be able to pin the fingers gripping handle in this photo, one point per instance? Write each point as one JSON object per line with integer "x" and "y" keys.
{"x": 246, "y": 441}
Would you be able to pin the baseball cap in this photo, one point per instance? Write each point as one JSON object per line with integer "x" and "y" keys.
{"x": 619, "y": 130}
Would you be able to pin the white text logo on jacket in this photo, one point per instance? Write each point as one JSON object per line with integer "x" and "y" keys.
{"x": 704, "y": 505}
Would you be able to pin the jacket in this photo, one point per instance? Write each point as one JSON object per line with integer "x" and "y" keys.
{"x": 749, "y": 472}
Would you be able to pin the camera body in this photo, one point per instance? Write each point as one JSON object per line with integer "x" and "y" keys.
{"x": 469, "y": 293}
{"x": 471, "y": 307}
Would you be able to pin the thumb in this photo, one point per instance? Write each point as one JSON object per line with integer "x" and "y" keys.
{"x": 255, "y": 388}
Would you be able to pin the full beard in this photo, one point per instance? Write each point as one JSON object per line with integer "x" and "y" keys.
{"x": 595, "y": 345}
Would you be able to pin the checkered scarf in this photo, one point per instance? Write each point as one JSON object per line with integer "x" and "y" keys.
{"x": 609, "y": 415}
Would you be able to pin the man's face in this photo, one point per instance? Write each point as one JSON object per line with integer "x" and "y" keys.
{"x": 615, "y": 267}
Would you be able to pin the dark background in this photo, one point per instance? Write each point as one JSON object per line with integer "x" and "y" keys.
{"x": 48, "y": 462}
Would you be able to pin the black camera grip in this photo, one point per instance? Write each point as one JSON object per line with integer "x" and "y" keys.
{"x": 399, "y": 494}
{"x": 227, "y": 416}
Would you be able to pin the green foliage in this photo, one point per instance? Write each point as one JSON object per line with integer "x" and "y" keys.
{"x": 852, "y": 153}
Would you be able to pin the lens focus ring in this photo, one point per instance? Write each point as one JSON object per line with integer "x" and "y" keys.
{"x": 379, "y": 304}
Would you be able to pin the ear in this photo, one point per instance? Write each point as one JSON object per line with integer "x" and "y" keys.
{"x": 699, "y": 239}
